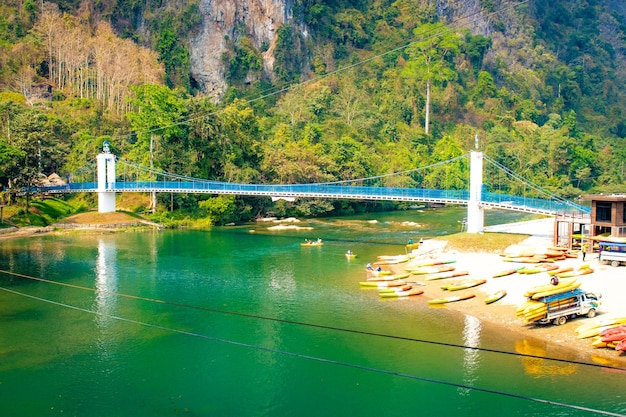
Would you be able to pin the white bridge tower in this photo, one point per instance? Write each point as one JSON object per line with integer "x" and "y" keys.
{"x": 475, "y": 212}
{"x": 106, "y": 180}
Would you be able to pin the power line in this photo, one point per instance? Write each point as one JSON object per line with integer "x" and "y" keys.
{"x": 269, "y": 93}
{"x": 324, "y": 360}
{"x": 313, "y": 325}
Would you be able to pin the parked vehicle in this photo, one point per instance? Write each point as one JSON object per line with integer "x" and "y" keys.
{"x": 612, "y": 252}
{"x": 570, "y": 304}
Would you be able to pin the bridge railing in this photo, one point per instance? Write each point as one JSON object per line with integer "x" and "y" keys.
{"x": 338, "y": 191}
{"x": 295, "y": 190}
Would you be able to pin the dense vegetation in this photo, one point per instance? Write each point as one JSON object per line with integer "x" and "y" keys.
{"x": 376, "y": 87}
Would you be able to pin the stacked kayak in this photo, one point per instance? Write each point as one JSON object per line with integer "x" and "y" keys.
{"x": 606, "y": 333}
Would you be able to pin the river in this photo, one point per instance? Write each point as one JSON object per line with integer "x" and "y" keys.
{"x": 243, "y": 321}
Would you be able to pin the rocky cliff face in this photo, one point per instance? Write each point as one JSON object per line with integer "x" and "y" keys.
{"x": 224, "y": 20}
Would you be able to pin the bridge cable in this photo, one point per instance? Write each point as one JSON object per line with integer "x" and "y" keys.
{"x": 323, "y": 360}
{"x": 534, "y": 186}
{"x": 318, "y": 326}
{"x": 269, "y": 93}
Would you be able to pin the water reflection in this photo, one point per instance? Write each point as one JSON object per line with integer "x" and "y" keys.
{"x": 106, "y": 282}
{"x": 537, "y": 366}
{"x": 471, "y": 357}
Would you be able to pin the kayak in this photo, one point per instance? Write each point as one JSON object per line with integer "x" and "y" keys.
{"x": 394, "y": 261}
{"x": 424, "y": 270}
{"x": 389, "y": 277}
{"x": 505, "y": 273}
{"x": 396, "y": 289}
{"x": 541, "y": 267}
{"x": 444, "y": 275}
{"x": 394, "y": 294}
{"x": 350, "y": 255}
{"x": 492, "y": 298}
{"x": 463, "y": 284}
{"x": 563, "y": 285}
{"x": 381, "y": 284}
{"x": 451, "y": 299}
{"x": 309, "y": 244}
{"x": 583, "y": 270}
{"x": 560, "y": 271}
{"x": 433, "y": 263}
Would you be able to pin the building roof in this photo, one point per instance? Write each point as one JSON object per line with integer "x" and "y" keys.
{"x": 605, "y": 197}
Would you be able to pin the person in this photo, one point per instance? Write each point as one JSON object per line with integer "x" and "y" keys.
{"x": 584, "y": 249}
{"x": 421, "y": 241}
{"x": 369, "y": 267}
{"x": 554, "y": 280}
{"x": 319, "y": 240}
{"x": 379, "y": 269}
{"x": 349, "y": 252}
{"x": 410, "y": 241}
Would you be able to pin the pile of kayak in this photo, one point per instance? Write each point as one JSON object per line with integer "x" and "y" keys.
{"x": 605, "y": 333}
{"x": 397, "y": 285}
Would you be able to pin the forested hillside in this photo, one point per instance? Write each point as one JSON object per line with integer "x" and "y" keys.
{"x": 357, "y": 89}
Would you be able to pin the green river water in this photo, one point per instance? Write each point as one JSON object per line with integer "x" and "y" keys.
{"x": 243, "y": 321}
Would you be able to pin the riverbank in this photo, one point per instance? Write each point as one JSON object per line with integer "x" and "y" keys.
{"x": 562, "y": 340}
{"x": 92, "y": 221}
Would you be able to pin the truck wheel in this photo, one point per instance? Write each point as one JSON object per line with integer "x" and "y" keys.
{"x": 592, "y": 313}
{"x": 559, "y": 321}
{"x": 614, "y": 263}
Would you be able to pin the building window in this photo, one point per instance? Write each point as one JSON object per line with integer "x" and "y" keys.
{"x": 603, "y": 211}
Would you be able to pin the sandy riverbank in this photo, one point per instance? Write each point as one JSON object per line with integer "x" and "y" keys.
{"x": 562, "y": 340}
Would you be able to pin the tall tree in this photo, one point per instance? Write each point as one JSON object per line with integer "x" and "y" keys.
{"x": 430, "y": 59}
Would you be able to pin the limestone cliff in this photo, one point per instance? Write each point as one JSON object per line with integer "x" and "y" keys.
{"x": 226, "y": 20}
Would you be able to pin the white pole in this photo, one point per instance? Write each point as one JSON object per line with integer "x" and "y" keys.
{"x": 475, "y": 213}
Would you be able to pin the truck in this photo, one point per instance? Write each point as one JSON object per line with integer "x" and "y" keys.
{"x": 569, "y": 304}
{"x": 612, "y": 252}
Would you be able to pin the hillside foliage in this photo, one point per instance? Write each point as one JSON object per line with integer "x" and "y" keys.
{"x": 376, "y": 87}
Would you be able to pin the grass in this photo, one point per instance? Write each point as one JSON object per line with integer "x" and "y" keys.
{"x": 42, "y": 212}
{"x": 482, "y": 242}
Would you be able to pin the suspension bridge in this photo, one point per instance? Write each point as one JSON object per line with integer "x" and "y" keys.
{"x": 470, "y": 190}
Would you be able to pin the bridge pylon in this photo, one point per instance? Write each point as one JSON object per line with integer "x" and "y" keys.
{"x": 106, "y": 180}
{"x": 475, "y": 211}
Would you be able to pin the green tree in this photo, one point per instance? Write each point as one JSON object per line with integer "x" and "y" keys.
{"x": 30, "y": 146}
{"x": 430, "y": 59}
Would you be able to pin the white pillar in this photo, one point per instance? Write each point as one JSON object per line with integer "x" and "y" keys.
{"x": 106, "y": 181}
{"x": 475, "y": 213}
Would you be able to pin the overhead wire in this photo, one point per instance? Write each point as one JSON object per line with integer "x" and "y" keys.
{"x": 313, "y": 325}
{"x": 325, "y": 360}
{"x": 269, "y": 93}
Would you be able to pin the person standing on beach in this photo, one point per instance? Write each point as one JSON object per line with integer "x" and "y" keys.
{"x": 584, "y": 250}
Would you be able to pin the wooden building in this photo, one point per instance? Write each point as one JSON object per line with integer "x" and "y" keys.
{"x": 607, "y": 222}
{"x": 608, "y": 217}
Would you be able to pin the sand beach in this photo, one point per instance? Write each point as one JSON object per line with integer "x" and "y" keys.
{"x": 606, "y": 280}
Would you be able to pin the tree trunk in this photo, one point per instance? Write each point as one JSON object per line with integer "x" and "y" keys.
{"x": 427, "y": 119}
